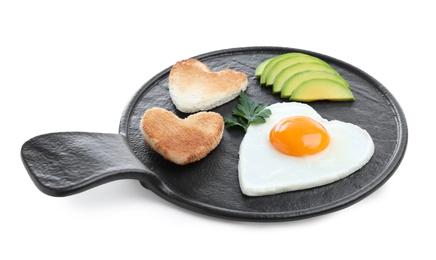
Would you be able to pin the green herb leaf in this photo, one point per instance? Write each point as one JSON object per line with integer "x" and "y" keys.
{"x": 247, "y": 112}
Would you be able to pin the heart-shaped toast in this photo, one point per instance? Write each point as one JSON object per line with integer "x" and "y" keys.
{"x": 194, "y": 87}
{"x": 181, "y": 141}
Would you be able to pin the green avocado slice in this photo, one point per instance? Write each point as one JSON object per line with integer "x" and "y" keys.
{"x": 300, "y": 77}
{"x": 321, "y": 89}
{"x": 261, "y": 67}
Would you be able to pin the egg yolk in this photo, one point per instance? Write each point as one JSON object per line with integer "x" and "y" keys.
{"x": 299, "y": 136}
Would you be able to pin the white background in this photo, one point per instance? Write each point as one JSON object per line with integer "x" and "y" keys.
{"x": 74, "y": 65}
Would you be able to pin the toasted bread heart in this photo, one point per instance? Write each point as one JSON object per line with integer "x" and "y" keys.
{"x": 194, "y": 87}
{"x": 182, "y": 141}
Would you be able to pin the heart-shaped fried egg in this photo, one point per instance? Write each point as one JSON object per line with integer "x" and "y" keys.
{"x": 298, "y": 149}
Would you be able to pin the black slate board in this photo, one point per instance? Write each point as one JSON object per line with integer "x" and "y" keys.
{"x": 62, "y": 164}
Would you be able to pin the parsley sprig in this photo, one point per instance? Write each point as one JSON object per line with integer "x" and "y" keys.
{"x": 247, "y": 112}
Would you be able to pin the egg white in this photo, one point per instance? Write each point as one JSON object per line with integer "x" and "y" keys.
{"x": 263, "y": 170}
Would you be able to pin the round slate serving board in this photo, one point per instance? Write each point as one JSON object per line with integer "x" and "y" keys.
{"x": 211, "y": 185}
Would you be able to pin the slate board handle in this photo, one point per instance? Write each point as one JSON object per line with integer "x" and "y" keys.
{"x": 66, "y": 163}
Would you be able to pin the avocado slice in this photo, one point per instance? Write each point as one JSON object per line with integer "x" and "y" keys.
{"x": 261, "y": 66}
{"x": 321, "y": 89}
{"x": 298, "y": 78}
{"x": 290, "y": 71}
{"x": 271, "y": 63}
{"x": 289, "y": 61}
